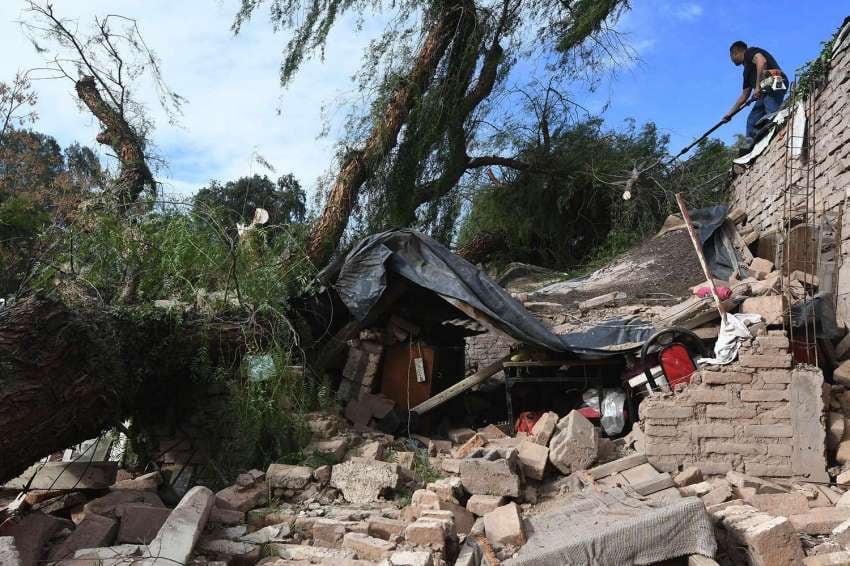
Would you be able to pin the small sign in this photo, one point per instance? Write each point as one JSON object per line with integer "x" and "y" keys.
{"x": 419, "y": 364}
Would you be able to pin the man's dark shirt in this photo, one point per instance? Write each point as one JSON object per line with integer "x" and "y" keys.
{"x": 750, "y": 67}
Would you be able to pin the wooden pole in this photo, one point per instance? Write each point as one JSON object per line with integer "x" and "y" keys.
{"x": 698, "y": 248}
{"x": 478, "y": 377}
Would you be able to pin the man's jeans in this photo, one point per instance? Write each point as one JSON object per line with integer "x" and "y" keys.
{"x": 767, "y": 104}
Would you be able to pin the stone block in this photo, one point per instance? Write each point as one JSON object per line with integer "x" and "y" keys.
{"x": 428, "y": 531}
{"x": 533, "y": 458}
{"x": 366, "y": 547}
{"x": 491, "y": 472}
{"x": 503, "y": 526}
{"x": 820, "y": 520}
{"x": 362, "y": 481}
{"x": 285, "y": 476}
{"x": 141, "y": 523}
{"x": 543, "y": 429}
{"x": 242, "y": 499}
{"x": 482, "y": 504}
{"x": 574, "y": 446}
{"x": 688, "y": 476}
{"x": 780, "y": 504}
{"x": 93, "y": 531}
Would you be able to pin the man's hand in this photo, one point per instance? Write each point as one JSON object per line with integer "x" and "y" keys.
{"x": 757, "y": 93}
{"x": 726, "y": 117}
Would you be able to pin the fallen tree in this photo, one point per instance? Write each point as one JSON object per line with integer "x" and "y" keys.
{"x": 69, "y": 373}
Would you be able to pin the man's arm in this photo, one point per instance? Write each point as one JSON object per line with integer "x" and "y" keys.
{"x": 760, "y": 62}
{"x": 745, "y": 95}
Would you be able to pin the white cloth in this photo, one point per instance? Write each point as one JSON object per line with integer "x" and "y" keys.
{"x": 732, "y": 333}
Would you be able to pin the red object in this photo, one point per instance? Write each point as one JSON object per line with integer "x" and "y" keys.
{"x": 589, "y": 413}
{"x": 526, "y": 421}
{"x": 722, "y": 292}
{"x": 677, "y": 364}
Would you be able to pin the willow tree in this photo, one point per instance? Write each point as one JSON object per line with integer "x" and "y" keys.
{"x": 435, "y": 73}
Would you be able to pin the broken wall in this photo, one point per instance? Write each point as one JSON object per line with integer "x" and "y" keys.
{"x": 758, "y": 187}
{"x": 758, "y": 416}
{"x": 485, "y": 349}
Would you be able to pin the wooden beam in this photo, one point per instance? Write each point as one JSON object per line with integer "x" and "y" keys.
{"x": 651, "y": 486}
{"x": 478, "y": 377}
{"x": 63, "y": 476}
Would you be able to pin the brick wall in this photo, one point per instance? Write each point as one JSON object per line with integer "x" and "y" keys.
{"x": 484, "y": 349}
{"x": 758, "y": 416}
{"x": 758, "y": 187}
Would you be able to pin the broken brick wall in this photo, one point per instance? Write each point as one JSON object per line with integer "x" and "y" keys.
{"x": 757, "y": 416}
{"x": 485, "y": 349}
{"x": 758, "y": 187}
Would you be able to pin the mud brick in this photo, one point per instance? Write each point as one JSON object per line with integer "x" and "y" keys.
{"x": 743, "y": 449}
{"x": 769, "y": 470}
{"x": 719, "y": 412}
{"x": 710, "y": 396}
{"x": 712, "y": 430}
{"x": 723, "y": 378}
{"x": 763, "y": 361}
{"x": 769, "y": 431}
{"x": 667, "y": 412}
{"x": 764, "y": 395}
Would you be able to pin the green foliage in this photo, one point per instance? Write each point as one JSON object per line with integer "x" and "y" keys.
{"x": 815, "y": 72}
{"x": 587, "y": 18}
{"x": 567, "y": 211}
{"x": 235, "y": 201}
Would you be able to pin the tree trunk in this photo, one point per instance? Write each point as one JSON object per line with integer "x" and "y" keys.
{"x": 328, "y": 229}
{"x": 67, "y": 375}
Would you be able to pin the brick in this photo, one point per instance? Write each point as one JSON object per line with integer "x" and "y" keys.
{"x": 769, "y": 470}
{"x": 284, "y": 476}
{"x": 725, "y": 377}
{"x": 427, "y": 531}
{"x": 412, "y": 558}
{"x": 503, "y": 525}
{"x": 385, "y": 528}
{"x": 760, "y": 267}
{"x": 460, "y": 435}
{"x": 477, "y": 441}
{"x": 367, "y": 548}
{"x": 93, "y": 531}
{"x": 712, "y": 430}
{"x": 720, "y": 412}
{"x": 140, "y": 524}
{"x": 820, "y": 520}
{"x": 780, "y": 504}
{"x": 662, "y": 430}
{"x": 773, "y": 342}
{"x": 779, "y": 450}
{"x": 574, "y": 446}
{"x": 765, "y": 361}
{"x": 491, "y": 472}
{"x": 769, "y": 431}
{"x": 770, "y": 307}
{"x": 483, "y": 504}
{"x": 753, "y": 395}
{"x": 689, "y": 476}
{"x": 670, "y": 411}
{"x": 710, "y": 396}
{"x": 533, "y": 458}
{"x": 734, "y": 448}
{"x": 543, "y": 429}
{"x": 663, "y": 448}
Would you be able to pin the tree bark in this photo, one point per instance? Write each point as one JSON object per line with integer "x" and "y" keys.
{"x": 134, "y": 174}
{"x": 328, "y": 229}
{"x": 66, "y": 375}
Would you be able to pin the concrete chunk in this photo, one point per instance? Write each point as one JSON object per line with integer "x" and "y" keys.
{"x": 574, "y": 446}
{"x": 491, "y": 472}
{"x": 533, "y": 458}
{"x": 503, "y": 525}
{"x": 183, "y": 528}
{"x": 362, "y": 480}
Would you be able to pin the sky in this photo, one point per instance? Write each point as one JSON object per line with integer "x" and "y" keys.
{"x": 683, "y": 79}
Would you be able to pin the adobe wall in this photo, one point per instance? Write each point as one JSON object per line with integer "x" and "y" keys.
{"x": 757, "y": 416}
{"x": 758, "y": 187}
{"x": 485, "y": 349}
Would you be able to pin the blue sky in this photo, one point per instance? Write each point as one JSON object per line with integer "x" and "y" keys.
{"x": 683, "y": 82}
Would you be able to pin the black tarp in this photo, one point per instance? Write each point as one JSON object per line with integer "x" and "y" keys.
{"x": 362, "y": 279}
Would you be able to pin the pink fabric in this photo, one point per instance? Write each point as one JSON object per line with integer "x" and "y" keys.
{"x": 722, "y": 292}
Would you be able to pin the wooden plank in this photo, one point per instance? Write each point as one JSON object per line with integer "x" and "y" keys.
{"x": 651, "y": 486}
{"x": 620, "y": 465}
{"x": 64, "y": 476}
{"x": 478, "y": 377}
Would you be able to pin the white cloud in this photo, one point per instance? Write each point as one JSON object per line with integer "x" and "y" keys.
{"x": 231, "y": 84}
{"x": 687, "y": 11}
